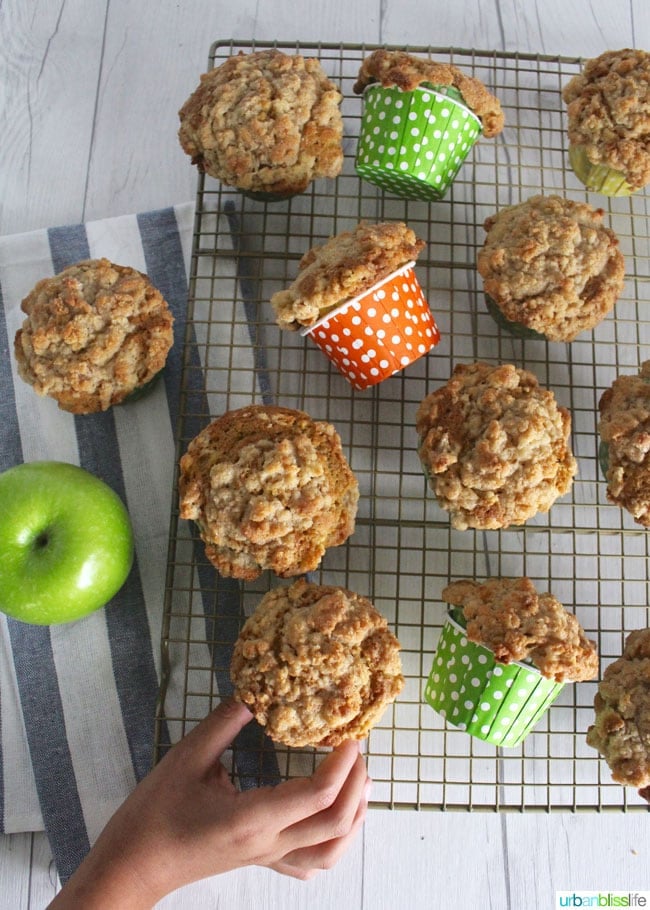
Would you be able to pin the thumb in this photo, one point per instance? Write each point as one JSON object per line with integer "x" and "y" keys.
{"x": 216, "y": 732}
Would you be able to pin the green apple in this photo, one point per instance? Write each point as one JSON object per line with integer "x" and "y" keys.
{"x": 66, "y": 542}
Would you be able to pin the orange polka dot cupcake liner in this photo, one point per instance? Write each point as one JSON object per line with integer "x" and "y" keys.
{"x": 380, "y": 332}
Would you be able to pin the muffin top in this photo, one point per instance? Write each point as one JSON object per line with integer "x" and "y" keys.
{"x": 509, "y": 617}
{"x": 264, "y": 122}
{"x": 550, "y": 264}
{"x": 269, "y": 488}
{"x": 621, "y": 729}
{"x": 344, "y": 267}
{"x": 407, "y": 72}
{"x": 94, "y": 333}
{"x": 316, "y": 665}
{"x": 494, "y": 446}
{"x": 624, "y": 427}
{"x": 609, "y": 112}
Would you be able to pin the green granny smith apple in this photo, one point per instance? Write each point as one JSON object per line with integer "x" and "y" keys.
{"x": 66, "y": 542}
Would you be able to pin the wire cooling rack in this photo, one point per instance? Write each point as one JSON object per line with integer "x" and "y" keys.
{"x": 588, "y": 553}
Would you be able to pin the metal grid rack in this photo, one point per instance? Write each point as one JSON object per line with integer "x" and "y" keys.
{"x": 588, "y": 553}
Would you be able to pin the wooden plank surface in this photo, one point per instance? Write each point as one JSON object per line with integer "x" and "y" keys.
{"x": 89, "y": 121}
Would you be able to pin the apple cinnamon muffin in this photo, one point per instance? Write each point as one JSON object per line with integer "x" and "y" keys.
{"x": 342, "y": 268}
{"x": 264, "y": 122}
{"x": 621, "y": 729}
{"x": 316, "y": 665}
{"x": 624, "y": 429}
{"x": 608, "y": 107}
{"x": 93, "y": 335}
{"x": 494, "y": 446}
{"x": 407, "y": 72}
{"x": 509, "y": 616}
{"x": 269, "y": 488}
{"x": 551, "y": 266}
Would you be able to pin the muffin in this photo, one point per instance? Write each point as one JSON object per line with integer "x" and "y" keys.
{"x": 504, "y": 656}
{"x": 494, "y": 446}
{"x": 609, "y": 122}
{"x": 624, "y": 429}
{"x": 420, "y": 120}
{"x": 550, "y": 267}
{"x": 358, "y": 298}
{"x": 95, "y": 334}
{"x": 316, "y": 665}
{"x": 267, "y": 123}
{"x": 621, "y": 729}
{"x": 269, "y": 488}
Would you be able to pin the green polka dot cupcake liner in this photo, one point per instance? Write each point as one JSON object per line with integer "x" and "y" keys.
{"x": 412, "y": 144}
{"x": 598, "y": 177}
{"x": 498, "y": 703}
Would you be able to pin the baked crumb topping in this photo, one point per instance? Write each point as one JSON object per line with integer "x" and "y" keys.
{"x": 407, "y": 72}
{"x": 269, "y": 488}
{"x": 264, "y": 122}
{"x": 494, "y": 446}
{"x": 316, "y": 664}
{"x": 624, "y": 427}
{"x": 550, "y": 264}
{"x": 609, "y": 112}
{"x": 94, "y": 333}
{"x": 621, "y": 729}
{"x": 508, "y": 616}
{"x": 344, "y": 267}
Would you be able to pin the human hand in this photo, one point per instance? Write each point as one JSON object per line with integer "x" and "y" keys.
{"x": 186, "y": 821}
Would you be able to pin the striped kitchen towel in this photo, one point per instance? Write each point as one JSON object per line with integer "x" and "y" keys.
{"x": 77, "y": 701}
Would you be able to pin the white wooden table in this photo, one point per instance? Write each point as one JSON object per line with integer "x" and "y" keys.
{"x": 88, "y": 100}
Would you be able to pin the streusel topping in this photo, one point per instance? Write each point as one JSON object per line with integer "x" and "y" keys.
{"x": 265, "y": 122}
{"x": 550, "y": 264}
{"x": 407, "y": 72}
{"x": 269, "y": 488}
{"x": 624, "y": 427}
{"x": 344, "y": 267}
{"x": 494, "y": 446}
{"x": 621, "y": 730}
{"x": 508, "y": 616}
{"x": 316, "y": 664}
{"x": 609, "y": 112}
{"x": 94, "y": 334}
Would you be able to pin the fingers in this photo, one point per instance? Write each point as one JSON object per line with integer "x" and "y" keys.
{"x": 305, "y": 862}
{"x": 335, "y": 820}
{"x": 216, "y": 732}
{"x": 297, "y": 799}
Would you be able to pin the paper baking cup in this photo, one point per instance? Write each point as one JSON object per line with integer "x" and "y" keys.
{"x": 499, "y": 703}
{"x": 413, "y": 143}
{"x": 597, "y": 177}
{"x": 378, "y": 333}
{"x": 518, "y": 329}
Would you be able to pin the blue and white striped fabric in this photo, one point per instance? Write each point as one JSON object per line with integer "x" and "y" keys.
{"x": 77, "y": 701}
